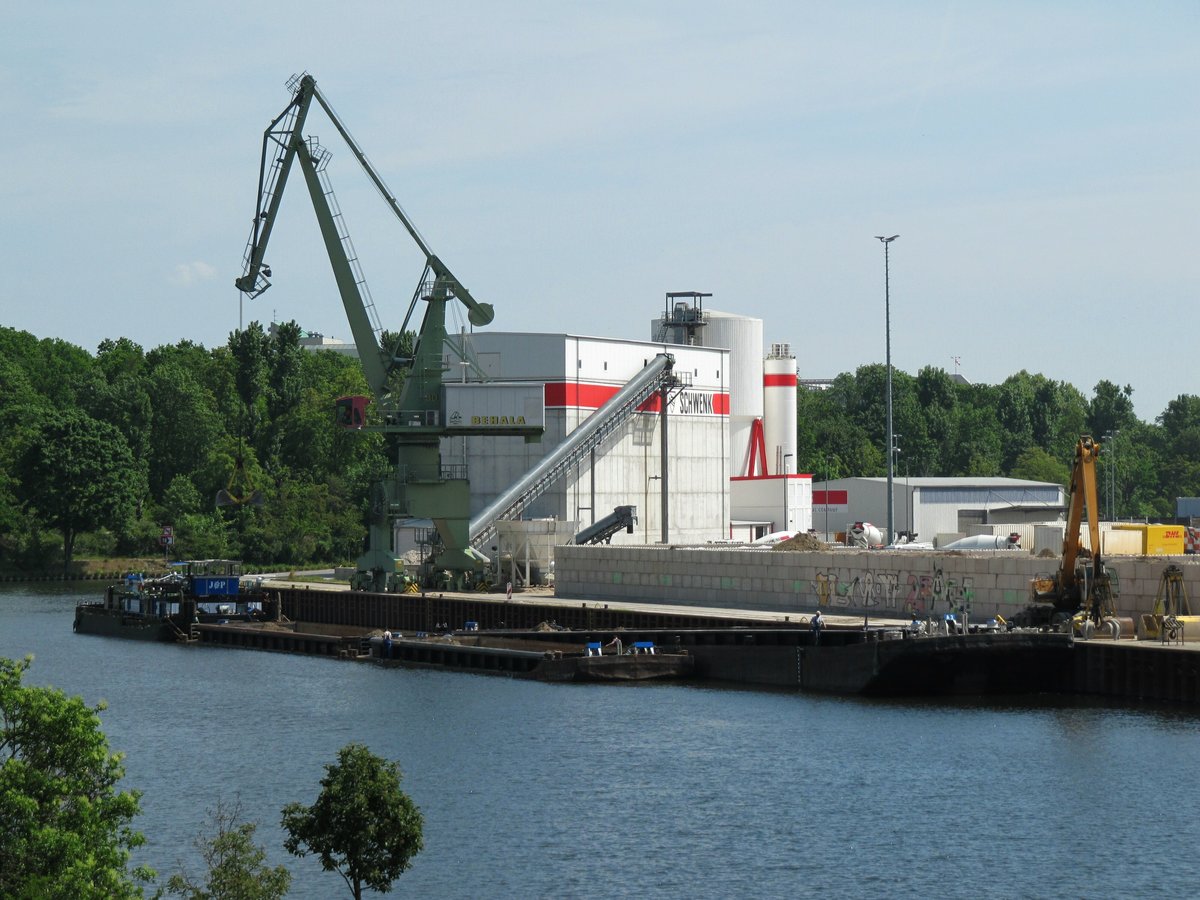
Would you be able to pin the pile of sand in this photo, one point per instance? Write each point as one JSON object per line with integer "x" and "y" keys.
{"x": 802, "y": 541}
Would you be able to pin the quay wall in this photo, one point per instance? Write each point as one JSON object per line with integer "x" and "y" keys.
{"x": 897, "y": 584}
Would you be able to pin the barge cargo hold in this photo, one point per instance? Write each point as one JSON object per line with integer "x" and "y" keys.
{"x": 517, "y": 655}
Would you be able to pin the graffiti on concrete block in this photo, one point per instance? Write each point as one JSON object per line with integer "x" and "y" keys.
{"x": 916, "y": 594}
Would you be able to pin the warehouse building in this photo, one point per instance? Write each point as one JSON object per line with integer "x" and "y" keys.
{"x": 935, "y": 509}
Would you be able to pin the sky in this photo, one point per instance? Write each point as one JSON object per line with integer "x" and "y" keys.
{"x": 574, "y": 162}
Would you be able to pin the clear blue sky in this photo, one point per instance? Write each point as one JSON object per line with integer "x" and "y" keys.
{"x": 572, "y": 162}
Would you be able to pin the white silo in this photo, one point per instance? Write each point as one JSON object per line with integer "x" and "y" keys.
{"x": 686, "y": 321}
{"x": 779, "y": 401}
{"x": 743, "y": 337}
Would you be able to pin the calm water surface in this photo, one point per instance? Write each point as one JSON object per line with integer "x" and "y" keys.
{"x": 533, "y": 790}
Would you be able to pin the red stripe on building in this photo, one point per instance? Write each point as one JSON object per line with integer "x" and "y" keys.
{"x": 580, "y": 395}
{"x": 779, "y": 381}
{"x": 577, "y": 394}
{"x": 836, "y": 498}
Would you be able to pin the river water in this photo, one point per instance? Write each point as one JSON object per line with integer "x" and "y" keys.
{"x": 536, "y": 790}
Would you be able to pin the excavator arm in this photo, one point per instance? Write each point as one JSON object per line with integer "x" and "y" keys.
{"x": 1082, "y": 494}
{"x": 1077, "y": 591}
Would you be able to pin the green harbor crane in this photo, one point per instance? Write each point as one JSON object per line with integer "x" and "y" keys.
{"x": 418, "y": 485}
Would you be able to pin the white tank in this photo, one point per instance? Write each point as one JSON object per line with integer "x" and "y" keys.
{"x": 986, "y": 542}
{"x": 743, "y": 337}
{"x": 779, "y": 409}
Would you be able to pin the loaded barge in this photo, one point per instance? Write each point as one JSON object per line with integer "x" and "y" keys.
{"x": 171, "y": 607}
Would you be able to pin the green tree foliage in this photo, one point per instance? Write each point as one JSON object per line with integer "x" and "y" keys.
{"x": 362, "y": 824}
{"x": 250, "y": 349}
{"x": 1139, "y": 472}
{"x": 64, "y": 827}
{"x": 1111, "y": 409}
{"x": 235, "y": 866}
{"x": 1180, "y": 437}
{"x": 186, "y": 423}
{"x": 80, "y": 475}
{"x": 22, "y": 410}
{"x": 1035, "y": 464}
{"x": 186, "y": 416}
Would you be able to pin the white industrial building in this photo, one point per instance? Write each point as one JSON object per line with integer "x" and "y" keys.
{"x": 727, "y": 470}
{"x": 933, "y": 507}
{"x": 580, "y": 374}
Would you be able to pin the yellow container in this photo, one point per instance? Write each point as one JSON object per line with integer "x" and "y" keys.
{"x": 1158, "y": 540}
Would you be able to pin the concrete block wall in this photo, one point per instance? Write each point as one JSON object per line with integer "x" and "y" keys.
{"x": 851, "y": 582}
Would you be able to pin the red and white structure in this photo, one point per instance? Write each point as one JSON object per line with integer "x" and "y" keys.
{"x": 768, "y": 497}
{"x": 580, "y": 373}
{"x": 731, "y": 427}
{"x": 779, "y": 409}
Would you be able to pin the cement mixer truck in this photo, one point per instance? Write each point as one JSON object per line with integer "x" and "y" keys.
{"x": 863, "y": 534}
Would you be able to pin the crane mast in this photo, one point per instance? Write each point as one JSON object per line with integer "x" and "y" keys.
{"x": 418, "y": 486}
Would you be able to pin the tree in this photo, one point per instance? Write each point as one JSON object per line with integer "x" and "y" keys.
{"x": 185, "y": 423}
{"x": 1110, "y": 409}
{"x": 236, "y": 866}
{"x": 80, "y": 475}
{"x": 362, "y": 825}
{"x": 1035, "y": 464}
{"x": 64, "y": 828}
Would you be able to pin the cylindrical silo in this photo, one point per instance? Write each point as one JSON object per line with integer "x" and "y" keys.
{"x": 743, "y": 337}
{"x": 779, "y": 405}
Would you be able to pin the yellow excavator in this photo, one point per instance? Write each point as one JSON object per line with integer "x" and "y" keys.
{"x": 1081, "y": 591}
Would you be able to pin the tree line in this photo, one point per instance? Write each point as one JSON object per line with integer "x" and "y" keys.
{"x": 1025, "y": 427}
{"x": 99, "y": 451}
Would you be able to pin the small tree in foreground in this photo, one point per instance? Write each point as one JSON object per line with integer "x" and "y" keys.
{"x": 237, "y": 868}
{"x": 362, "y": 825}
{"x": 64, "y": 827}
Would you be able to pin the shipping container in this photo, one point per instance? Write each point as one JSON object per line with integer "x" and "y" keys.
{"x": 1158, "y": 540}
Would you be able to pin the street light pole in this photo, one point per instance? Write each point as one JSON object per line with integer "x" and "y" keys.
{"x": 887, "y": 313}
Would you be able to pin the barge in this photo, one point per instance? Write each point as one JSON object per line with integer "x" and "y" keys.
{"x": 524, "y": 657}
{"x": 170, "y": 607}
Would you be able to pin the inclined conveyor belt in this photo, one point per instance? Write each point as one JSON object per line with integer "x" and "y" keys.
{"x": 593, "y": 432}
